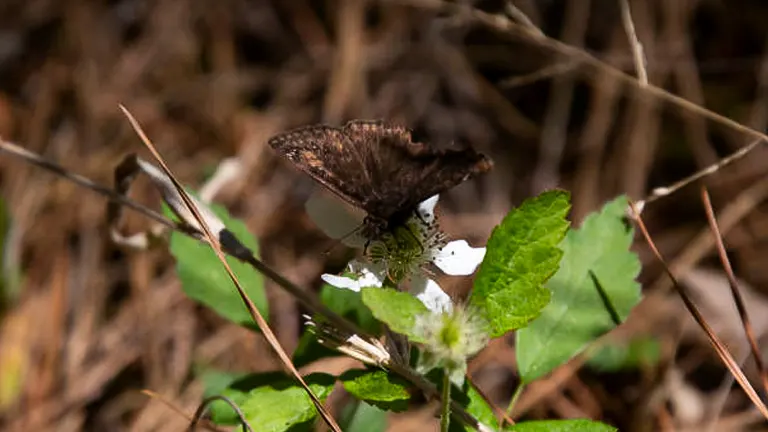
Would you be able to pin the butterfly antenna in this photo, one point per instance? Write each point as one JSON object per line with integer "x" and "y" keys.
{"x": 341, "y": 239}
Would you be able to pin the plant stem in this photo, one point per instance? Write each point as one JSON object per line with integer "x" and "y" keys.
{"x": 515, "y": 397}
{"x": 445, "y": 400}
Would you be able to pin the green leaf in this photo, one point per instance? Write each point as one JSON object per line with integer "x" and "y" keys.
{"x": 395, "y": 308}
{"x": 272, "y": 402}
{"x": 309, "y": 350}
{"x": 349, "y": 304}
{"x": 216, "y": 381}
{"x": 620, "y": 356}
{"x": 594, "y": 289}
{"x": 358, "y": 416}
{"x": 474, "y": 404}
{"x": 377, "y": 387}
{"x": 205, "y": 280}
{"x": 521, "y": 255}
{"x": 578, "y": 425}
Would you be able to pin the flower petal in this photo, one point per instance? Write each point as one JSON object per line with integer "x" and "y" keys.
{"x": 458, "y": 258}
{"x": 430, "y": 293}
{"x": 334, "y": 220}
{"x": 341, "y": 282}
{"x": 370, "y": 275}
{"x": 427, "y": 208}
{"x": 364, "y": 275}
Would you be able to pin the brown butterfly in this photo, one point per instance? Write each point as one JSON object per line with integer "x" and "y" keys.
{"x": 377, "y": 167}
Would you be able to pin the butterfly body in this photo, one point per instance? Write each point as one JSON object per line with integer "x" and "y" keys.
{"x": 377, "y": 167}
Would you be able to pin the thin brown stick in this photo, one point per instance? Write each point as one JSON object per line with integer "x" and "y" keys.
{"x": 216, "y": 246}
{"x": 674, "y": 187}
{"x": 721, "y": 350}
{"x": 637, "y": 48}
{"x": 641, "y": 120}
{"x": 737, "y": 298}
{"x": 37, "y": 160}
{"x": 520, "y": 16}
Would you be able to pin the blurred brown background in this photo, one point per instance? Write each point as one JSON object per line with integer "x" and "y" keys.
{"x": 89, "y": 325}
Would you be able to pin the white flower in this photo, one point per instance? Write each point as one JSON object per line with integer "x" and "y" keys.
{"x": 399, "y": 255}
{"x": 449, "y": 339}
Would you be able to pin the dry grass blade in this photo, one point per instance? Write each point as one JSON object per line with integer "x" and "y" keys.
{"x": 255, "y": 314}
{"x": 722, "y": 352}
{"x": 737, "y": 297}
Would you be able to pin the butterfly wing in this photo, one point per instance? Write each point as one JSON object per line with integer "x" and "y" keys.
{"x": 377, "y": 166}
{"x": 405, "y": 172}
{"x": 329, "y": 157}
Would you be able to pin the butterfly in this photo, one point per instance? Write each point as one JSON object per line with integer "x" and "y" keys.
{"x": 377, "y": 167}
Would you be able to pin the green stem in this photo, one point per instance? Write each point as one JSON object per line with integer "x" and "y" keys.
{"x": 445, "y": 412}
{"x": 515, "y": 397}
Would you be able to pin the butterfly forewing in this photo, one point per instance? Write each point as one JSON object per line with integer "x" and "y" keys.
{"x": 328, "y": 156}
{"x": 377, "y": 166}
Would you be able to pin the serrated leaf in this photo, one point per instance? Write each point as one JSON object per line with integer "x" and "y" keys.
{"x": 594, "y": 287}
{"x": 378, "y": 388}
{"x": 395, "y": 308}
{"x": 205, "y": 280}
{"x": 619, "y": 356}
{"x": 359, "y": 416}
{"x": 272, "y": 402}
{"x": 522, "y": 254}
{"x": 577, "y": 425}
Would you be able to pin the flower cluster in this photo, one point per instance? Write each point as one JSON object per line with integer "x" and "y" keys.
{"x": 401, "y": 255}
